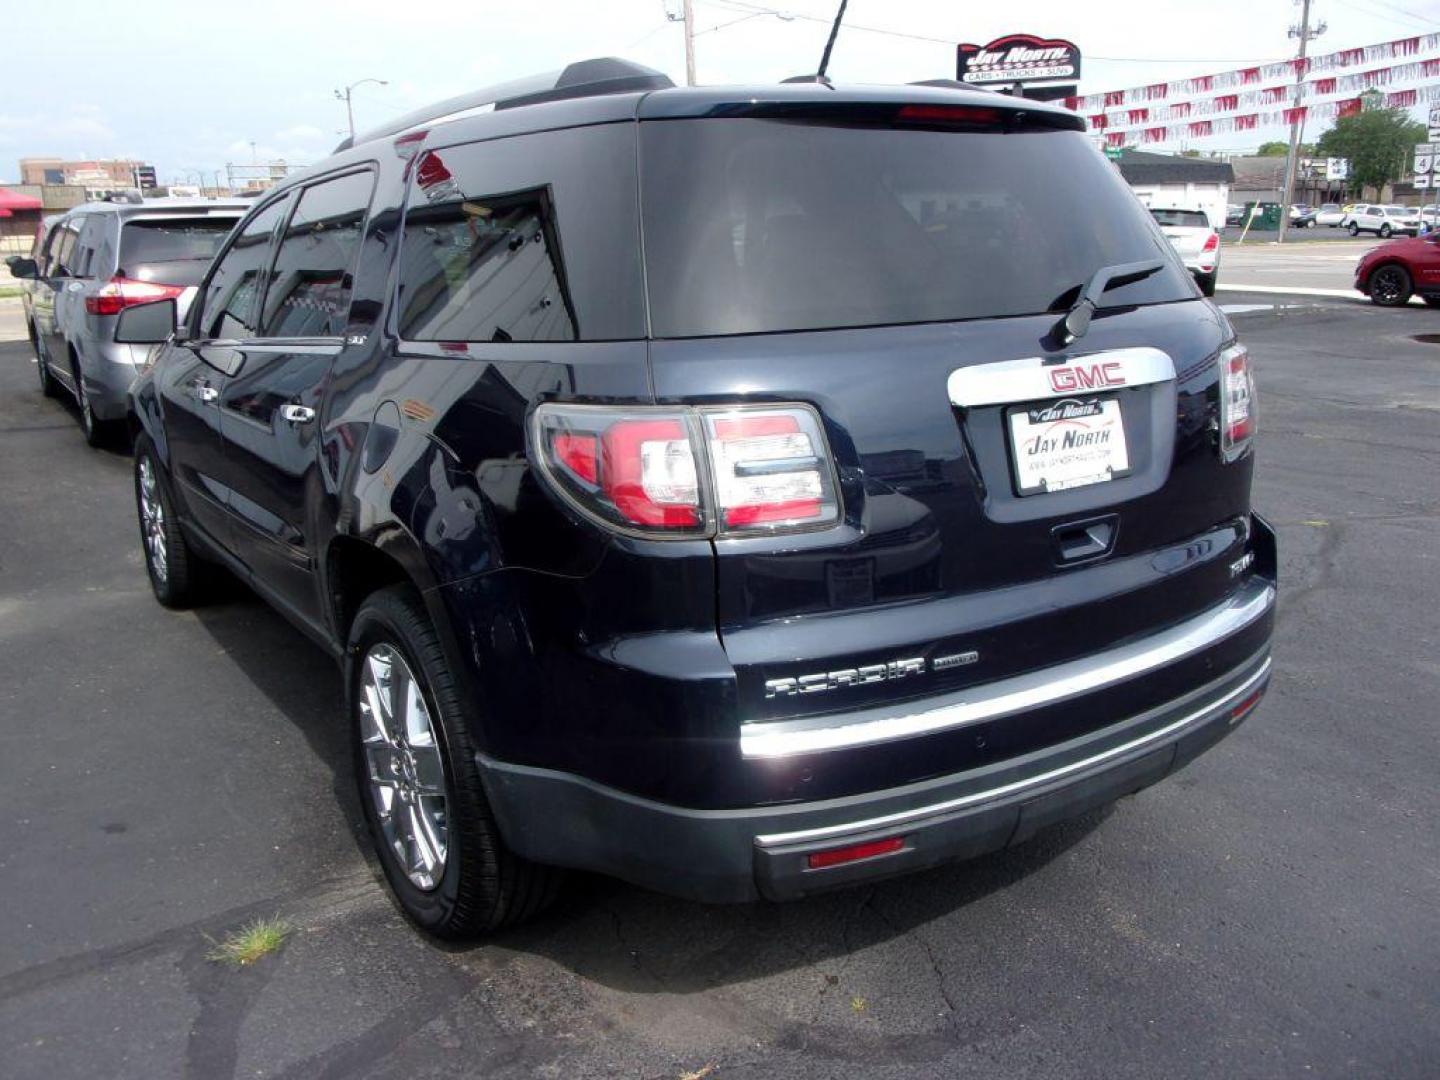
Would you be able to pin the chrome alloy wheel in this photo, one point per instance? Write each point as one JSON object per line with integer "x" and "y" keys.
{"x": 152, "y": 521}
{"x": 407, "y": 779}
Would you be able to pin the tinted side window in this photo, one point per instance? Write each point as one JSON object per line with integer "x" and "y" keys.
{"x": 234, "y": 285}
{"x": 530, "y": 238}
{"x": 309, "y": 290}
{"x": 63, "y": 258}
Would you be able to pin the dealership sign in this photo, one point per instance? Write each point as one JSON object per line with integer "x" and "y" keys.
{"x": 1018, "y": 58}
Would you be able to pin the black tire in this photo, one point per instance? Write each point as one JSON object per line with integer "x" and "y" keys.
{"x": 181, "y": 582}
{"x": 1354, "y": 229}
{"x": 95, "y": 430}
{"x": 483, "y": 885}
{"x": 1386, "y": 232}
{"x": 1390, "y": 285}
{"x": 1206, "y": 283}
{"x": 1431, "y": 301}
{"x": 48, "y": 385}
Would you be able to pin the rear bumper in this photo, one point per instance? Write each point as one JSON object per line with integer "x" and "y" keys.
{"x": 743, "y": 854}
{"x": 108, "y": 369}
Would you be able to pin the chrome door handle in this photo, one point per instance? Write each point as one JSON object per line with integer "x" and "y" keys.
{"x": 298, "y": 414}
{"x": 208, "y": 393}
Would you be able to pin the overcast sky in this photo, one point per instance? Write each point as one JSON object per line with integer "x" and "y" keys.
{"x": 189, "y": 86}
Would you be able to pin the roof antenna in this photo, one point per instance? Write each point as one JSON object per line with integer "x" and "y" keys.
{"x": 834, "y": 29}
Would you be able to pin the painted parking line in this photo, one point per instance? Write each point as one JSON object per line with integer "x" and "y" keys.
{"x": 1292, "y": 290}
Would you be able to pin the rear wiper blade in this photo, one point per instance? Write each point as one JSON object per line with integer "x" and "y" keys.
{"x": 1077, "y": 319}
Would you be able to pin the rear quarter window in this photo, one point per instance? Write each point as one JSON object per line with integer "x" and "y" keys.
{"x": 527, "y": 238}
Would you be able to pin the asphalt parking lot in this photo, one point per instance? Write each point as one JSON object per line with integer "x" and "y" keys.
{"x": 1272, "y": 911}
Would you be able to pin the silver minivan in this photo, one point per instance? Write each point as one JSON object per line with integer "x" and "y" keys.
{"x": 94, "y": 262}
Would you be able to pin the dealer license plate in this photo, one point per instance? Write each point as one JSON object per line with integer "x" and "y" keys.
{"x": 1067, "y": 444}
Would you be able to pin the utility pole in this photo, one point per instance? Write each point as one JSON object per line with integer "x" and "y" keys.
{"x": 345, "y": 97}
{"x": 1305, "y": 34}
{"x": 689, "y": 17}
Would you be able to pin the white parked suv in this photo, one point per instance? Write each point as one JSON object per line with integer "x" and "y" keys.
{"x": 1385, "y": 221}
{"x": 1195, "y": 240}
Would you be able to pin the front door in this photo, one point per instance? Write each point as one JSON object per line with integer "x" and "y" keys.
{"x": 271, "y": 413}
{"x": 197, "y": 371}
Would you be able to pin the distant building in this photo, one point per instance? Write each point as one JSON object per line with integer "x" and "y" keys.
{"x": 1184, "y": 182}
{"x": 98, "y": 175}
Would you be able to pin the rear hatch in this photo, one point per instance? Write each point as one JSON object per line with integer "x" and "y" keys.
{"x": 901, "y": 271}
{"x": 1187, "y": 231}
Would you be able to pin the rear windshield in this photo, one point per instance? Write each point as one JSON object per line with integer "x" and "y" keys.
{"x": 755, "y": 226}
{"x": 174, "y": 251}
{"x": 1176, "y": 219}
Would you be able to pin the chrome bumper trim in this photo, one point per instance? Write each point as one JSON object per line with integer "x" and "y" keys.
{"x": 786, "y": 738}
{"x": 910, "y": 817}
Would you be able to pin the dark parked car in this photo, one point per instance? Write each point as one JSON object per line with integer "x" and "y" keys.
{"x": 1393, "y": 272}
{"x": 93, "y": 262}
{"x": 741, "y": 491}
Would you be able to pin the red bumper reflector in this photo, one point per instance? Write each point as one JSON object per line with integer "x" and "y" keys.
{"x": 1241, "y": 710}
{"x": 839, "y": 856}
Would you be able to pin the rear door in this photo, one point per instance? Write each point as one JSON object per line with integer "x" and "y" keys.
{"x": 906, "y": 284}
{"x": 270, "y": 411}
{"x": 198, "y": 370}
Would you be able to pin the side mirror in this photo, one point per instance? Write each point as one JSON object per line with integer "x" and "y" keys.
{"x": 23, "y": 268}
{"x": 146, "y": 324}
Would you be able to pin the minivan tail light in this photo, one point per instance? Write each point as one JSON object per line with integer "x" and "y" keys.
{"x": 689, "y": 472}
{"x": 1237, "y": 402}
{"x": 119, "y": 293}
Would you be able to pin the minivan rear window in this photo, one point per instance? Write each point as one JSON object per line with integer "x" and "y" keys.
{"x": 172, "y": 251}
{"x": 757, "y": 226}
{"x": 1181, "y": 219}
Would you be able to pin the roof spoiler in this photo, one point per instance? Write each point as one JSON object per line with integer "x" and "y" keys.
{"x": 584, "y": 78}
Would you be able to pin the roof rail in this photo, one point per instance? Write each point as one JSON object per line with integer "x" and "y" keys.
{"x": 584, "y": 78}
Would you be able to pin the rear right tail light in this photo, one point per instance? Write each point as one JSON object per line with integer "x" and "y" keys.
{"x": 1237, "y": 402}
{"x": 119, "y": 293}
{"x": 689, "y": 472}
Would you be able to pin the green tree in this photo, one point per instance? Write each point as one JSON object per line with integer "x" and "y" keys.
{"x": 1280, "y": 149}
{"x": 1378, "y": 144}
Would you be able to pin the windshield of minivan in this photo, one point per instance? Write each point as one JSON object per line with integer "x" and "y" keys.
{"x": 175, "y": 251}
{"x": 754, "y": 226}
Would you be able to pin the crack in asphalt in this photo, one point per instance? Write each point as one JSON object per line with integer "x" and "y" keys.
{"x": 636, "y": 961}
{"x": 929, "y": 952}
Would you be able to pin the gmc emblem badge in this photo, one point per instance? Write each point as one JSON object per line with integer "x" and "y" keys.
{"x": 1086, "y": 377}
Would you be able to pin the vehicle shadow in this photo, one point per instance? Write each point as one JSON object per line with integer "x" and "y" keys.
{"x": 621, "y": 936}
{"x": 296, "y": 676}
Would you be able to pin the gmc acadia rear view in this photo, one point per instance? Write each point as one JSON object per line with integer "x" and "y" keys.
{"x": 740, "y": 491}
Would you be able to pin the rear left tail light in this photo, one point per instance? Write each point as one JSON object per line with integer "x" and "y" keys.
{"x": 1237, "y": 402}
{"x": 689, "y": 472}
{"x": 120, "y": 292}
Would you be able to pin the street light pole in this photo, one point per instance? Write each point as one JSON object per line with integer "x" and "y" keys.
{"x": 345, "y": 96}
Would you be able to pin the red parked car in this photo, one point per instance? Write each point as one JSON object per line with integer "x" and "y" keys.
{"x": 1391, "y": 273}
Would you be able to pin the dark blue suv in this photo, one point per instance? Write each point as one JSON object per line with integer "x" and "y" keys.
{"x": 740, "y": 491}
